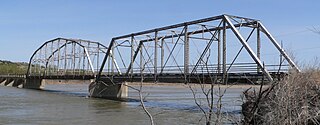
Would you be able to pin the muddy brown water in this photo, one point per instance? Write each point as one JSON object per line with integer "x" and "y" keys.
{"x": 68, "y": 104}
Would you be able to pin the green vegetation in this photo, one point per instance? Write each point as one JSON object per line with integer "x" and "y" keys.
{"x": 8, "y": 67}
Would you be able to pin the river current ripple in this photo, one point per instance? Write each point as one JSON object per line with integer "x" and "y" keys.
{"x": 68, "y": 104}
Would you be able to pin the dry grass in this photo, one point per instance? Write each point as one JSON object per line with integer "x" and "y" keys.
{"x": 294, "y": 100}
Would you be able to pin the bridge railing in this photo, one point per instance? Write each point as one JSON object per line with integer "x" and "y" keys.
{"x": 13, "y": 76}
{"x": 235, "y": 68}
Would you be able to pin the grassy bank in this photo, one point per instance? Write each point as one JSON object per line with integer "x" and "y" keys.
{"x": 8, "y": 67}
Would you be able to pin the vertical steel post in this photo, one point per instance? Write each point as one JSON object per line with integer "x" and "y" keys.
{"x": 109, "y": 64}
{"x": 162, "y": 52}
{"x": 258, "y": 45}
{"x": 98, "y": 57}
{"x": 132, "y": 54}
{"x": 40, "y": 61}
{"x": 280, "y": 61}
{"x": 155, "y": 55}
{"x": 73, "y": 58}
{"x": 79, "y": 59}
{"x": 65, "y": 57}
{"x": 112, "y": 60}
{"x": 36, "y": 64}
{"x": 46, "y": 60}
{"x": 224, "y": 52}
{"x": 58, "y": 55}
{"x": 84, "y": 62}
{"x": 141, "y": 61}
{"x": 186, "y": 53}
{"x": 219, "y": 53}
{"x": 52, "y": 58}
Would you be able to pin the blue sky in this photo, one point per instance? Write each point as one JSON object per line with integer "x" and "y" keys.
{"x": 25, "y": 25}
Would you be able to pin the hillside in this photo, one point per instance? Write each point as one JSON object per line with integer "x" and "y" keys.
{"x": 8, "y": 67}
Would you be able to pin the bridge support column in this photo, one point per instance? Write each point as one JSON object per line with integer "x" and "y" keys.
{"x": 18, "y": 82}
{"x": 9, "y": 82}
{"x": 12, "y": 82}
{"x": 108, "y": 89}
{"x": 2, "y": 81}
{"x": 33, "y": 83}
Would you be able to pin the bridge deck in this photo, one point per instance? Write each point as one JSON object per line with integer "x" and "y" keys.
{"x": 66, "y": 77}
{"x": 172, "y": 77}
{"x": 195, "y": 78}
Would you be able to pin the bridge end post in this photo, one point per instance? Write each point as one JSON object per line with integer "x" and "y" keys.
{"x": 108, "y": 89}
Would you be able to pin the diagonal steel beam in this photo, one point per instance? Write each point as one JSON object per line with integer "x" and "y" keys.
{"x": 115, "y": 62}
{"x": 204, "y": 52}
{"x": 247, "y": 47}
{"x": 275, "y": 43}
{"x": 105, "y": 59}
{"x": 89, "y": 59}
{"x": 174, "y": 59}
{"x": 172, "y": 49}
{"x": 235, "y": 58}
{"x": 134, "y": 57}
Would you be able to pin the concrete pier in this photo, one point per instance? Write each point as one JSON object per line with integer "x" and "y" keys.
{"x": 12, "y": 81}
{"x": 33, "y": 83}
{"x": 2, "y": 81}
{"x": 18, "y": 82}
{"x": 109, "y": 90}
{"x": 9, "y": 82}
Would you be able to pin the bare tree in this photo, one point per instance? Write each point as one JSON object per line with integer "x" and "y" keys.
{"x": 142, "y": 99}
{"x": 212, "y": 105}
{"x": 140, "y": 91}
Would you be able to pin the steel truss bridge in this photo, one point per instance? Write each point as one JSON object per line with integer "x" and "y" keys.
{"x": 63, "y": 58}
{"x": 191, "y": 52}
{"x": 194, "y": 51}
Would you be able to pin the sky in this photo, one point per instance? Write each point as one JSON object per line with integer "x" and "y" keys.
{"x": 26, "y": 24}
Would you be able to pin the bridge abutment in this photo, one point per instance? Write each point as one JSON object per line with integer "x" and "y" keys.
{"x": 108, "y": 89}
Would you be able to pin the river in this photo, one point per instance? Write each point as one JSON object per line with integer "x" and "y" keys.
{"x": 68, "y": 104}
